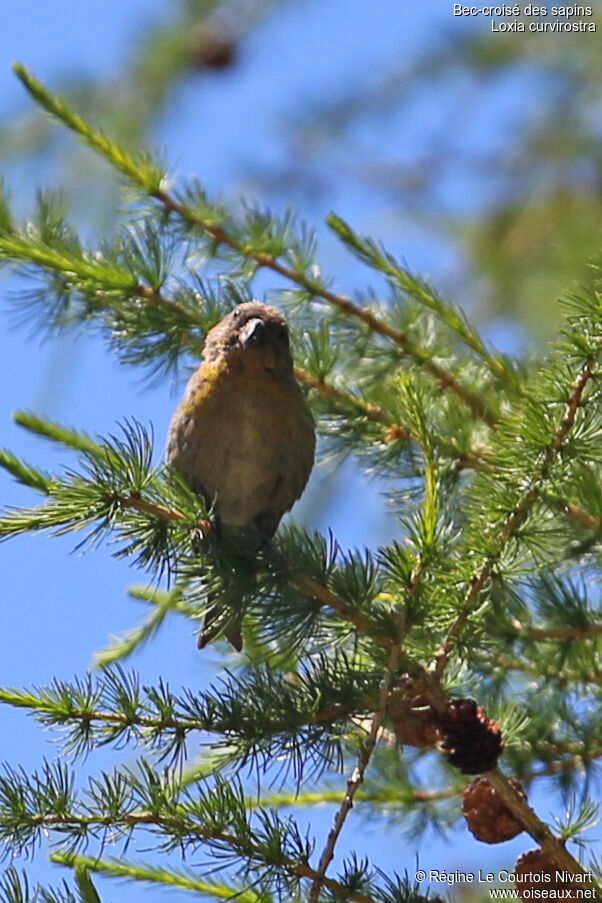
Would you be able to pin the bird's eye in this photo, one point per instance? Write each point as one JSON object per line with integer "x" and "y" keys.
{"x": 283, "y": 334}
{"x": 236, "y": 312}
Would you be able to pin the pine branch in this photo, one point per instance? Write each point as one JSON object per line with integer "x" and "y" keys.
{"x": 108, "y": 288}
{"x": 561, "y": 633}
{"x": 111, "y": 486}
{"x": 155, "y": 874}
{"x": 75, "y": 264}
{"x": 377, "y": 258}
{"x": 150, "y": 179}
{"x": 104, "y": 287}
{"x": 573, "y": 747}
{"x": 57, "y": 432}
{"x": 15, "y": 888}
{"x": 375, "y": 414}
{"x": 394, "y": 795}
{"x": 115, "y": 471}
{"x": 123, "y": 646}
{"x": 574, "y": 513}
{"x": 558, "y": 766}
{"x": 357, "y": 778}
{"x": 25, "y": 473}
{"x": 137, "y": 168}
{"x": 514, "y": 520}
{"x": 273, "y": 849}
{"x": 346, "y": 400}
{"x": 427, "y": 537}
{"x": 375, "y": 796}
{"x": 87, "y": 891}
{"x": 323, "y": 594}
{"x": 525, "y": 815}
{"x": 262, "y": 712}
{"x": 549, "y": 673}
{"x": 316, "y": 288}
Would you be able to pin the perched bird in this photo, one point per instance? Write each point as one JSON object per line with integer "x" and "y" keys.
{"x": 243, "y": 435}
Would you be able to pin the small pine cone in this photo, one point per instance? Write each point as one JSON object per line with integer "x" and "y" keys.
{"x": 413, "y": 719}
{"x": 212, "y": 51}
{"x": 488, "y": 818}
{"x": 472, "y": 741}
{"x": 536, "y": 872}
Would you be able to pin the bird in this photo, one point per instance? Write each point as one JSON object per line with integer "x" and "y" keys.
{"x": 243, "y": 435}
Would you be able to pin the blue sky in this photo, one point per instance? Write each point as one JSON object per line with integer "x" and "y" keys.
{"x": 59, "y": 607}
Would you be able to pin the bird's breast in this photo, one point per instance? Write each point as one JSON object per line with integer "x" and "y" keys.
{"x": 245, "y": 438}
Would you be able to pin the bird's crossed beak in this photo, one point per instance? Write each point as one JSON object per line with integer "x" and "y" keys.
{"x": 252, "y": 333}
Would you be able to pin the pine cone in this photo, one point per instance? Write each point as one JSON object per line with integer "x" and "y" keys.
{"x": 212, "y": 50}
{"x": 413, "y": 718}
{"x": 473, "y": 741}
{"x": 535, "y": 871}
{"x": 488, "y": 818}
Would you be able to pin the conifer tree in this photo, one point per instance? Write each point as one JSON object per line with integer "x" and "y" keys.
{"x": 468, "y": 650}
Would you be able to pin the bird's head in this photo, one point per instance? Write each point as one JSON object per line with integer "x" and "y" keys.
{"x": 252, "y": 332}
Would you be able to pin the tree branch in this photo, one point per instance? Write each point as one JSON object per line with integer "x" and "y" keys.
{"x": 553, "y": 633}
{"x": 512, "y": 523}
{"x": 574, "y": 513}
{"x": 331, "y": 600}
{"x": 161, "y": 512}
{"x": 445, "y": 379}
{"x": 546, "y": 672}
{"x": 180, "y": 725}
{"x": 372, "y": 412}
{"x": 143, "y": 819}
{"x": 357, "y": 777}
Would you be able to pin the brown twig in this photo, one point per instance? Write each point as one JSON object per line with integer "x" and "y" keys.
{"x": 562, "y": 747}
{"x": 365, "y": 796}
{"x": 557, "y": 633}
{"x": 574, "y": 513}
{"x": 567, "y": 764}
{"x": 137, "y": 503}
{"x": 346, "y": 400}
{"x": 328, "y": 598}
{"x": 393, "y": 431}
{"x": 548, "y": 672}
{"x": 173, "y": 307}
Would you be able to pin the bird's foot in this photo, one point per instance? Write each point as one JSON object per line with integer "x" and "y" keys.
{"x": 206, "y": 528}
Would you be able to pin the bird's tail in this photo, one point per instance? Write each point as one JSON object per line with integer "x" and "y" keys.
{"x": 219, "y": 621}
{"x": 235, "y": 559}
